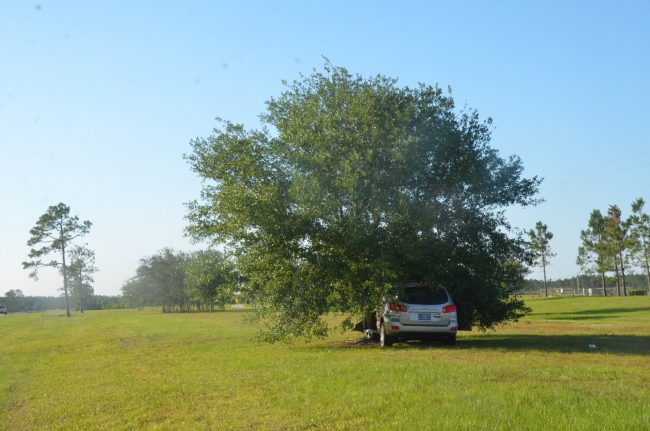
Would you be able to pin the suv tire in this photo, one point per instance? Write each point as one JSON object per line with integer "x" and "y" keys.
{"x": 450, "y": 340}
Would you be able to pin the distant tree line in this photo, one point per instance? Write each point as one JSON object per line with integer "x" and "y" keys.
{"x": 16, "y": 302}
{"x": 612, "y": 246}
{"x": 181, "y": 282}
{"x": 636, "y": 284}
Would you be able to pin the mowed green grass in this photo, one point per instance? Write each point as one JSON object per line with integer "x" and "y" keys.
{"x": 146, "y": 370}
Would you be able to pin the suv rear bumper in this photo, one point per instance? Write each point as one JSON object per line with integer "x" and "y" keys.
{"x": 395, "y": 329}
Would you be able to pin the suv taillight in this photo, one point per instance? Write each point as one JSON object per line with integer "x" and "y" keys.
{"x": 449, "y": 308}
{"x": 397, "y": 307}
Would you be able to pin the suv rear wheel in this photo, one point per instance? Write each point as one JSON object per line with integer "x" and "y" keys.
{"x": 385, "y": 340}
{"x": 450, "y": 340}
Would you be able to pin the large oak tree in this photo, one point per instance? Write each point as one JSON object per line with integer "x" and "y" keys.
{"x": 353, "y": 184}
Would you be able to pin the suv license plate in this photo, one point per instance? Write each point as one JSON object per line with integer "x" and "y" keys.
{"x": 424, "y": 317}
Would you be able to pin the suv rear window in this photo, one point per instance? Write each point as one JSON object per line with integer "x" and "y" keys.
{"x": 423, "y": 296}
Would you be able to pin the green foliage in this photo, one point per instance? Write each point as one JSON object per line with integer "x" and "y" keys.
{"x": 540, "y": 238}
{"x": 584, "y": 281}
{"x": 160, "y": 280}
{"x": 619, "y": 243}
{"x": 54, "y": 232}
{"x": 16, "y": 304}
{"x": 138, "y": 292}
{"x": 593, "y": 254}
{"x": 41, "y": 303}
{"x": 355, "y": 184}
{"x": 611, "y": 244}
{"x": 13, "y": 300}
{"x": 640, "y": 237}
{"x": 81, "y": 276}
{"x": 210, "y": 277}
{"x": 178, "y": 281}
{"x": 14, "y": 293}
{"x": 540, "y": 248}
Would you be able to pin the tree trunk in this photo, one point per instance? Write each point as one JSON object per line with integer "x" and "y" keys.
{"x": 647, "y": 265}
{"x": 623, "y": 273}
{"x": 544, "y": 269}
{"x": 618, "y": 280}
{"x": 647, "y": 271}
{"x": 81, "y": 294}
{"x": 602, "y": 283}
{"x": 65, "y": 280}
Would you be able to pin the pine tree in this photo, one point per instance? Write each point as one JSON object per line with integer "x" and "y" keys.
{"x": 640, "y": 234}
{"x": 539, "y": 245}
{"x": 593, "y": 254}
{"x": 54, "y": 232}
{"x": 618, "y": 238}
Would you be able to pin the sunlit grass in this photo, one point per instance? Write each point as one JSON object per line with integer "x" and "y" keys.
{"x": 143, "y": 369}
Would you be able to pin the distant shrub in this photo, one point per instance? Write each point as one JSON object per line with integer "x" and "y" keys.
{"x": 637, "y": 292}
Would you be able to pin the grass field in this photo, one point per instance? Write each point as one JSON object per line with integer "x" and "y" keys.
{"x": 142, "y": 369}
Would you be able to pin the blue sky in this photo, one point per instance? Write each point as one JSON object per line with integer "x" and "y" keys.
{"x": 98, "y": 102}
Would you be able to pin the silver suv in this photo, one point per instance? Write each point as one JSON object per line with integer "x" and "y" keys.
{"x": 3, "y": 309}
{"x": 416, "y": 311}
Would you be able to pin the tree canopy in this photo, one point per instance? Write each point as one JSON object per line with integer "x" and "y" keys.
{"x": 210, "y": 277}
{"x": 161, "y": 279}
{"x": 354, "y": 184}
